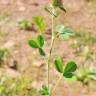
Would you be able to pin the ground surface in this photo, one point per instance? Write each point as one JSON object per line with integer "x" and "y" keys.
{"x": 81, "y": 15}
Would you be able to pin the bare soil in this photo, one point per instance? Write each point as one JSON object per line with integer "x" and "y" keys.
{"x": 81, "y": 14}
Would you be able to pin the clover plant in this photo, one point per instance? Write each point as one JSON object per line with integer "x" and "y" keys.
{"x": 66, "y": 70}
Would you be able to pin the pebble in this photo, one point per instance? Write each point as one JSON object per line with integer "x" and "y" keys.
{"x": 21, "y": 6}
{"x": 6, "y": 2}
{"x": 38, "y": 64}
{"x": 9, "y": 44}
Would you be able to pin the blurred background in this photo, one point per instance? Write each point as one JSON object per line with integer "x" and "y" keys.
{"x": 22, "y": 70}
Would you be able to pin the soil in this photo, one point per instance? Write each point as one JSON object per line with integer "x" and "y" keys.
{"x": 81, "y": 14}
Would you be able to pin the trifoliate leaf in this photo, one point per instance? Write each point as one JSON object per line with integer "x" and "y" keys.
{"x": 39, "y": 23}
{"x": 64, "y": 33}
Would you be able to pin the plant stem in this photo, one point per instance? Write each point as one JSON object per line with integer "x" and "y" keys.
{"x": 57, "y": 83}
{"x": 51, "y": 48}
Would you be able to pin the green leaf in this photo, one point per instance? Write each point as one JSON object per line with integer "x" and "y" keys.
{"x": 59, "y": 4}
{"x": 92, "y": 74}
{"x": 24, "y": 24}
{"x": 40, "y": 40}
{"x": 68, "y": 75}
{"x": 1, "y": 54}
{"x": 33, "y": 44}
{"x": 50, "y": 10}
{"x": 55, "y": 3}
{"x": 42, "y": 53}
{"x": 70, "y": 80}
{"x": 59, "y": 65}
{"x": 69, "y": 69}
{"x": 64, "y": 33}
{"x": 60, "y": 28}
{"x": 44, "y": 91}
{"x": 39, "y": 23}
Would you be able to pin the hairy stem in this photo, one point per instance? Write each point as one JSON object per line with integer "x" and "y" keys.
{"x": 51, "y": 48}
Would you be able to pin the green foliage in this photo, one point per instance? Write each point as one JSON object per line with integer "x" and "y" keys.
{"x": 44, "y": 91}
{"x": 92, "y": 74}
{"x": 59, "y": 65}
{"x": 33, "y": 44}
{"x": 3, "y": 55}
{"x": 70, "y": 80}
{"x": 50, "y": 10}
{"x": 15, "y": 87}
{"x": 69, "y": 69}
{"x": 64, "y": 33}
{"x": 41, "y": 51}
{"x": 83, "y": 43}
{"x": 38, "y": 43}
{"x": 85, "y": 75}
{"x": 58, "y": 4}
{"x": 24, "y": 24}
{"x": 82, "y": 76}
{"x": 55, "y": 3}
{"x": 52, "y": 7}
{"x": 39, "y": 23}
{"x": 40, "y": 40}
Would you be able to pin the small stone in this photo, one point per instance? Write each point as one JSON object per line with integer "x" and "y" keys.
{"x": 9, "y": 44}
{"x": 38, "y": 64}
{"x": 22, "y": 8}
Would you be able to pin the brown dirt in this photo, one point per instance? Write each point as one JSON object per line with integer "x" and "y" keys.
{"x": 81, "y": 15}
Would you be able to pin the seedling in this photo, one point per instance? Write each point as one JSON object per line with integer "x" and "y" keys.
{"x": 58, "y": 31}
{"x": 44, "y": 91}
{"x": 68, "y": 70}
{"x": 83, "y": 43}
{"x": 3, "y": 55}
{"x": 24, "y": 25}
{"x": 39, "y": 23}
